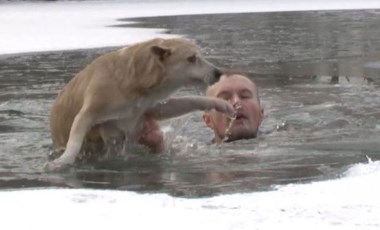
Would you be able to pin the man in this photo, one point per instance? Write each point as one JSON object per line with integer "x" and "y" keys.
{"x": 238, "y": 90}
{"x": 242, "y": 93}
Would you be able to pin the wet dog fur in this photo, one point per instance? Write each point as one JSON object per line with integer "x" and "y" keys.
{"x": 109, "y": 98}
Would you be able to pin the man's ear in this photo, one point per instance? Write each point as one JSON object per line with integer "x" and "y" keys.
{"x": 261, "y": 115}
{"x": 161, "y": 52}
{"x": 207, "y": 119}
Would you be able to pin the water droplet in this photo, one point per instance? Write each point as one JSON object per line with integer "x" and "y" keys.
{"x": 237, "y": 106}
{"x": 227, "y": 133}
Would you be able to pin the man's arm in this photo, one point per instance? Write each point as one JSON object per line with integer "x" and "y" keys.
{"x": 175, "y": 107}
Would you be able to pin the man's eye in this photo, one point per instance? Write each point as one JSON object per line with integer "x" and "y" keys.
{"x": 225, "y": 97}
{"x": 246, "y": 95}
{"x": 192, "y": 58}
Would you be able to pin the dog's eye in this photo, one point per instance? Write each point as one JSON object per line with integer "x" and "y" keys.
{"x": 192, "y": 58}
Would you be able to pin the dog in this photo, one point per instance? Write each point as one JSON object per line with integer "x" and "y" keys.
{"x": 110, "y": 97}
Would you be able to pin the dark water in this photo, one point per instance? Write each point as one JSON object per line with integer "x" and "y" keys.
{"x": 321, "y": 104}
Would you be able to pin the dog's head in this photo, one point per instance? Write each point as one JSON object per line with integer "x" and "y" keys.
{"x": 183, "y": 63}
{"x": 176, "y": 62}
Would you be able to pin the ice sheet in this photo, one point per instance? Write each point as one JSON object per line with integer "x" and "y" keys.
{"x": 350, "y": 202}
{"x": 63, "y": 25}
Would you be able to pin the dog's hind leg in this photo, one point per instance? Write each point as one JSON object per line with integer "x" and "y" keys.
{"x": 82, "y": 123}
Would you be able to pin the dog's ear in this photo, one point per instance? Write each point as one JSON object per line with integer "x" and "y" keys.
{"x": 161, "y": 52}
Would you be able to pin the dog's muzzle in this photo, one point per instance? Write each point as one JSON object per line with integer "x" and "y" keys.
{"x": 215, "y": 76}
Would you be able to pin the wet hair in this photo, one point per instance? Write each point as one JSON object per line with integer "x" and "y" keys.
{"x": 231, "y": 72}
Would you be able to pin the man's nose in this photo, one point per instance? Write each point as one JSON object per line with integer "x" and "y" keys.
{"x": 235, "y": 99}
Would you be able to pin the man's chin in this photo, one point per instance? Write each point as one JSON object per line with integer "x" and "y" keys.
{"x": 238, "y": 123}
{"x": 238, "y": 133}
{"x": 241, "y": 125}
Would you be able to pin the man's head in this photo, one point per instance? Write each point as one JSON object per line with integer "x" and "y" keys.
{"x": 242, "y": 93}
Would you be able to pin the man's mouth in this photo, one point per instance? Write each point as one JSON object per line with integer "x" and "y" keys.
{"x": 240, "y": 117}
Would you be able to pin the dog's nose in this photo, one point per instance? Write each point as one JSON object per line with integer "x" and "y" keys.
{"x": 217, "y": 74}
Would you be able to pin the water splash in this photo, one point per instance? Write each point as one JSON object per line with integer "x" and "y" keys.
{"x": 227, "y": 133}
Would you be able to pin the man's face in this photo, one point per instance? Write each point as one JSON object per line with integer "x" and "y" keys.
{"x": 242, "y": 94}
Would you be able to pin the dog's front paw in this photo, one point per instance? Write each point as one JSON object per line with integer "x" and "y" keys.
{"x": 224, "y": 107}
{"x": 56, "y": 166}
